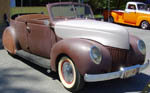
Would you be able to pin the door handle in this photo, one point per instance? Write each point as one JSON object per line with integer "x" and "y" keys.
{"x": 28, "y": 29}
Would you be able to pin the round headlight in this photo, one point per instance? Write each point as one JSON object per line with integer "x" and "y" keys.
{"x": 95, "y": 55}
{"x": 141, "y": 47}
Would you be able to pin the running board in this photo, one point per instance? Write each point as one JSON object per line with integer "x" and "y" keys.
{"x": 43, "y": 62}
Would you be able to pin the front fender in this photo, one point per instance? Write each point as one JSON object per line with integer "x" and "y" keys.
{"x": 142, "y": 18}
{"x": 79, "y": 51}
{"x": 134, "y": 56}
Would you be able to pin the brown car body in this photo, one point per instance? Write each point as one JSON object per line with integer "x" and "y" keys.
{"x": 32, "y": 34}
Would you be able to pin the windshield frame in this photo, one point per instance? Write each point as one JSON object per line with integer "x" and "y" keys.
{"x": 49, "y": 7}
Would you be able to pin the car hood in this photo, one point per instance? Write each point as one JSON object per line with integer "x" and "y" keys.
{"x": 105, "y": 33}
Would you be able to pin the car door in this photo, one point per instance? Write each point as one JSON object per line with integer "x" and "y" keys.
{"x": 130, "y": 14}
{"x": 40, "y": 39}
{"x": 21, "y": 33}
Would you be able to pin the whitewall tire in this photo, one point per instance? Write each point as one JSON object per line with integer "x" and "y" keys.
{"x": 69, "y": 75}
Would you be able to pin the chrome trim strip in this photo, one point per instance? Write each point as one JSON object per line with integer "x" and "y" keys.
{"x": 113, "y": 75}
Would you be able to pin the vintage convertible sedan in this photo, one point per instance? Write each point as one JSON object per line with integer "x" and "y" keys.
{"x": 71, "y": 42}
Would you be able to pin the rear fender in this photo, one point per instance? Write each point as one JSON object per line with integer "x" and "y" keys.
{"x": 10, "y": 41}
{"x": 115, "y": 16}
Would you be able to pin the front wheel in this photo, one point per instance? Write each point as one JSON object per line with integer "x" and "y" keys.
{"x": 144, "y": 25}
{"x": 69, "y": 75}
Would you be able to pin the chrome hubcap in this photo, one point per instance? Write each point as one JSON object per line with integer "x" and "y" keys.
{"x": 144, "y": 25}
{"x": 67, "y": 71}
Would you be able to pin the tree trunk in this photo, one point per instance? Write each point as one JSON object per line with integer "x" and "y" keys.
{"x": 118, "y": 4}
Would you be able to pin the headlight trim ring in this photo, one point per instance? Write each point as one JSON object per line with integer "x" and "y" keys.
{"x": 96, "y": 55}
{"x": 141, "y": 46}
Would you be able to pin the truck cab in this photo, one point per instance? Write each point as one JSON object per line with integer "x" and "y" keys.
{"x": 135, "y": 14}
{"x": 135, "y": 6}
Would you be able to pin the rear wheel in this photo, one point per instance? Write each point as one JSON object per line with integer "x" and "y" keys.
{"x": 111, "y": 19}
{"x": 144, "y": 25}
{"x": 69, "y": 75}
{"x": 12, "y": 55}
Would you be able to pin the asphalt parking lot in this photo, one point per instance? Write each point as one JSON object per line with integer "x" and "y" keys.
{"x": 17, "y": 75}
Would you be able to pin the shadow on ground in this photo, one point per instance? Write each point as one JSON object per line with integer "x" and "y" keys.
{"x": 7, "y": 77}
{"x": 136, "y": 83}
{"x": 53, "y": 75}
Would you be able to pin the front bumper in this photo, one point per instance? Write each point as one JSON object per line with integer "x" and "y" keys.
{"x": 123, "y": 73}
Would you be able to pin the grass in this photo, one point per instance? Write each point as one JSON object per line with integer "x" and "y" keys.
{"x": 17, "y": 10}
{"x": 98, "y": 16}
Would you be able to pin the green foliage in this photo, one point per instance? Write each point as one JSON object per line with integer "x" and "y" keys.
{"x": 98, "y": 16}
{"x": 17, "y": 10}
{"x": 98, "y": 5}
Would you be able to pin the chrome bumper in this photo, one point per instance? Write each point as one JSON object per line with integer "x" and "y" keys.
{"x": 114, "y": 75}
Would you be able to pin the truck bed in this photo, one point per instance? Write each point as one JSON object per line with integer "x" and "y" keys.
{"x": 120, "y": 14}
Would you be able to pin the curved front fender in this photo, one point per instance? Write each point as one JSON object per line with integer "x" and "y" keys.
{"x": 79, "y": 51}
{"x": 142, "y": 18}
{"x": 134, "y": 56}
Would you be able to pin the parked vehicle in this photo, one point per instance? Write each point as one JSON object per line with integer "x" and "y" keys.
{"x": 76, "y": 46}
{"x": 135, "y": 14}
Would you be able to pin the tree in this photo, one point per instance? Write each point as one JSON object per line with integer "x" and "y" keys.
{"x": 98, "y": 5}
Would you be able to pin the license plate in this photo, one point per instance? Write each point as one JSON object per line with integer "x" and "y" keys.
{"x": 130, "y": 73}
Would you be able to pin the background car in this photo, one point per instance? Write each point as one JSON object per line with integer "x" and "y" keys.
{"x": 135, "y": 14}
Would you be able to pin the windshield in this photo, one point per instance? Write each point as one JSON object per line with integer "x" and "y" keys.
{"x": 142, "y": 7}
{"x": 62, "y": 11}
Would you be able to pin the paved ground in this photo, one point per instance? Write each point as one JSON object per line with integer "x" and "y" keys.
{"x": 21, "y": 76}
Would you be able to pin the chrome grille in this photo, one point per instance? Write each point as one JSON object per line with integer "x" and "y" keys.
{"x": 118, "y": 57}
